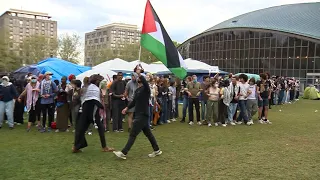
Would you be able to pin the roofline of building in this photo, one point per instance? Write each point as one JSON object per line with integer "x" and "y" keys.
{"x": 129, "y": 26}
{"x": 26, "y": 13}
{"x": 310, "y": 38}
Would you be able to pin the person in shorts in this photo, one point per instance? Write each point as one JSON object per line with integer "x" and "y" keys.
{"x": 264, "y": 94}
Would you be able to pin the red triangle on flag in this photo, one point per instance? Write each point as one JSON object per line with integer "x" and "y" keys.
{"x": 149, "y": 24}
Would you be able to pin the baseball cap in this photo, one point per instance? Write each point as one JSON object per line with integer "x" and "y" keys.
{"x": 48, "y": 73}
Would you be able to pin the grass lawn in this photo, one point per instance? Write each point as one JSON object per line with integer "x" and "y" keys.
{"x": 287, "y": 149}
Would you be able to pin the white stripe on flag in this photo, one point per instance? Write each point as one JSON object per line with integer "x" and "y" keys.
{"x": 158, "y": 34}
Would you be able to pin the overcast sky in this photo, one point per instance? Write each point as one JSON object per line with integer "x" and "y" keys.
{"x": 182, "y": 18}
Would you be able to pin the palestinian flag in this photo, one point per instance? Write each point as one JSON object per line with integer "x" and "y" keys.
{"x": 155, "y": 39}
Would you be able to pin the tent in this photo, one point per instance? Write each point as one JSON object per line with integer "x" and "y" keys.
{"x": 20, "y": 73}
{"x": 311, "y": 93}
{"x": 107, "y": 74}
{"x": 60, "y": 68}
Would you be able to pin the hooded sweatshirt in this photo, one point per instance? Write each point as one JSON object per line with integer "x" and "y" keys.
{"x": 7, "y": 92}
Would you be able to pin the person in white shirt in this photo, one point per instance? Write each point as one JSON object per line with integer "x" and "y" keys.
{"x": 252, "y": 102}
{"x": 244, "y": 89}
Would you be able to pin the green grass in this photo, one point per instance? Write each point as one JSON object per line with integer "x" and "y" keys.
{"x": 287, "y": 149}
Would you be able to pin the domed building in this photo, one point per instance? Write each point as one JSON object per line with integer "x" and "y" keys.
{"x": 283, "y": 40}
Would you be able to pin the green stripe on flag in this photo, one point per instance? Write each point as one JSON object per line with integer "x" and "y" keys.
{"x": 155, "y": 47}
{"x": 180, "y": 72}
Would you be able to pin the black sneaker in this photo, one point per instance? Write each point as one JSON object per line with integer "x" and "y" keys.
{"x": 120, "y": 130}
{"x": 152, "y": 128}
{"x": 183, "y": 120}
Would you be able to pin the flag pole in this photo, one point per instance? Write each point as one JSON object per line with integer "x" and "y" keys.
{"x": 139, "y": 53}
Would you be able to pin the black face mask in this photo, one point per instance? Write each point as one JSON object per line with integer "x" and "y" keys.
{"x": 139, "y": 81}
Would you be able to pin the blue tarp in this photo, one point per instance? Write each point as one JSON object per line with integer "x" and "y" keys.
{"x": 60, "y": 68}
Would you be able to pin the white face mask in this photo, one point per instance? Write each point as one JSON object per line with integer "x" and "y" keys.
{"x": 50, "y": 77}
{"x": 5, "y": 82}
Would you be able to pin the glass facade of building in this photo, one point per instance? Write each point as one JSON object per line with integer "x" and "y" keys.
{"x": 256, "y": 51}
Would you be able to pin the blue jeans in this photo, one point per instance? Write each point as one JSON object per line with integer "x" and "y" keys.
{"x": 8, "y": 108}
{"x": 203, "y": 109}
{"x": 164, "y": 110}
{"x": 275, "y": 98}
{"x": 243, "y": 111}
{"x": 185, "y": 106}
{"x": 231, "y": 110}
{"x": 281, "y": 96}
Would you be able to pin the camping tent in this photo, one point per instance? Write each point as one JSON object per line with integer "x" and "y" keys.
{"x": 311, "y": 93}
{"x": 115, "y": 65}
{"x": 60, "y": 68}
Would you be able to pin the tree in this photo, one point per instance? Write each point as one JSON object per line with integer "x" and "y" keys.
{"x": 69, "y": 47}
{"x": 176, "y": 43}
{"x": 9, "y": 61}
{"x": 37, "y": 47}
{"x": 102, "y": 55}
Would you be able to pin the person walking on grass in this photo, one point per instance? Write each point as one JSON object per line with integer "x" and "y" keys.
{"x": 141, "y": 118}
{"x": 7, "y": 95}
{"x": 234, "y": 91}
{"x": 32, "y": 92}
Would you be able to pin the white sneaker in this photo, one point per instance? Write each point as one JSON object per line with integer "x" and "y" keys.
{"x": 267, "y": 122}
{"x": 67, "y": 130}
{"x": 123, "y": 120}
{"x": 19, "y": 124}
{"x": 239, "y": 122}
{"x": 155, "y": 153}
{"x": 57, "y": 131}
{"x": 249, "y": 123}
{"x": 216, "y": 124}
{"x": 120, "y": 155}
{"x": 174, "y": 120}
{"x": 168, "y": 121}
{"x": 199, "y": 123}
{"x": 209, "y": 125}
{"x": 224, "y": 125}
{"x": 261, "y": 121}
{"x": 232, "y": 124}
{"x": 191, "y": 123}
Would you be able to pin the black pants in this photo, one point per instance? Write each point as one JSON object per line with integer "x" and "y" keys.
{"x": 117, "y": 106}
{"x": 33, "y": 113}
{"x": 291, "y": 94}
{"x": 47, "y": 109}
{"x": 90, "y": 113}
{"x": 222, "y": 112}
{"x": 170, "y": 110}
{"x": 195, "y": 102}
{"x": 140, "y": 123}
{"x": 18, "y": 112}
{"x": 38, "y": 110}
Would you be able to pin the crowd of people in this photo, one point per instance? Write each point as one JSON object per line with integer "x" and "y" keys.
{"x": 217, "y": 100}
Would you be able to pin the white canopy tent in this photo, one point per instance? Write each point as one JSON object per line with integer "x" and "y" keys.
{"x": 107, "y": 74}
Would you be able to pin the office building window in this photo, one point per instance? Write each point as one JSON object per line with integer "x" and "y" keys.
{"x": 42, "y": 24}
{"x": 105, "y": 33}
{"x": 51, "y": 25}
{"x": 96, "y": 40}
{"x": 101, "y": 39}
{"x": 113, "y": 45}
{"x": 37, "y": 24}
{"x": 42, "y": 32}
{"x": 21, "y": 22}
{"x": 99, "y": 34}
{"x": 107, "y": 38}
{"x": 93, "y": 35}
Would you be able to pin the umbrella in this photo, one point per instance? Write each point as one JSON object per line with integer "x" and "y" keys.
{"x": 20, "y": 73}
